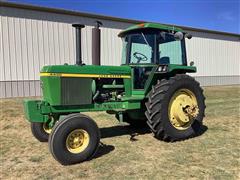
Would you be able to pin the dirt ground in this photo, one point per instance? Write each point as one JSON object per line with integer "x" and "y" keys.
{"x": 215, "y": 154}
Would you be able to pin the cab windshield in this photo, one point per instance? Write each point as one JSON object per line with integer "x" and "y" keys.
{"x": 153, "y": 48}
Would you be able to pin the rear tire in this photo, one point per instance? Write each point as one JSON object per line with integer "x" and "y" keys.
{"x": 40, "y": 131}
{"x": 74, "y": 139}
{"x": 159, "y": 103}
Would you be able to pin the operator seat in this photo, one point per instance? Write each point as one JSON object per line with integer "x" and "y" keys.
{"x": 164, "y": 60}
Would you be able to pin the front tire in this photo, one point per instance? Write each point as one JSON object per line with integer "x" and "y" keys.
{"x": 74, "y": 139}
{"x": 40, "y": 131}
{"x": 175, "y": 108}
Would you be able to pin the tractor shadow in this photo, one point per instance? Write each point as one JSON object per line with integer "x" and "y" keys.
{"x": 201, "y": 131}
{"x": 121, "y": 130}
{"x": 103, "y": 149}
{"x": 133, "y": 132}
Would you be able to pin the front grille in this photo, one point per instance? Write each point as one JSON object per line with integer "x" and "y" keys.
{"x": 76, "y": 91}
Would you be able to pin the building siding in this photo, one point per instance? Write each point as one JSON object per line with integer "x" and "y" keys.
{"x": 31, "y": 39}
{"x": 214, "y": 55}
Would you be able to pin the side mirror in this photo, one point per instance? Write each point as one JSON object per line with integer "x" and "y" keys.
{"x": 189, "y": 36}
{"x": 191, "y": 63}
{"x": 178, "y": 36}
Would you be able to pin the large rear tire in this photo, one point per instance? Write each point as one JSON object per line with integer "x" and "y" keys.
{"x": 74, "y": 139}
{"x": 175, "y": 108}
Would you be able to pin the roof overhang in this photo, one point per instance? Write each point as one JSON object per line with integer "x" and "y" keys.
{"x": 152, "y": 26}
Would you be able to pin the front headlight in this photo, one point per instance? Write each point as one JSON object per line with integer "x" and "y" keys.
{"x": 162, "y": 68}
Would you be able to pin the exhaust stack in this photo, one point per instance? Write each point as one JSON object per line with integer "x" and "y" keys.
{"x": 96, "y": 44}
{"x": 78, "y": 28}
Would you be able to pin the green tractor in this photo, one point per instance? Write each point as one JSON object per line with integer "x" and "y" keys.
{"x": 150, "y": 86}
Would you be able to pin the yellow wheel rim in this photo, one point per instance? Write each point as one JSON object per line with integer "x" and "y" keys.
{"x": 183, "y": 109}
{"x": 77, "y": 141}
{"x": 46, "y": 128}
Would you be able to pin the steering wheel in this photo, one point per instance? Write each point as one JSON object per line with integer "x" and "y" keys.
{"x": 140, "y": 57}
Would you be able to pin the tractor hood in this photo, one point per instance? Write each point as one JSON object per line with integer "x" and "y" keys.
{"x": 75, "y": 84}
{"x": 86, "y": 71}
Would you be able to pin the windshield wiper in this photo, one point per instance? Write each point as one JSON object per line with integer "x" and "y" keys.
{"x": 145, "y": 40}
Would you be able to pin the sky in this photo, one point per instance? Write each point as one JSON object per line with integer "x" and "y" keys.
{"x": 219, "y": 15}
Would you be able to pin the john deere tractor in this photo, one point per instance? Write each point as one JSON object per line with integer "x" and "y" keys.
{"x": 150, "y": 86}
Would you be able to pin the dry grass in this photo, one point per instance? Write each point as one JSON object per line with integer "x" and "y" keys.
{"x": 213, "y": 155}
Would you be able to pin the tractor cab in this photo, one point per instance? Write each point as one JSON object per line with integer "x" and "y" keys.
{"x": 148, "y": 45}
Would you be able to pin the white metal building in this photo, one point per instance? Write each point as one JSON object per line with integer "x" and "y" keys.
{"x": 31, "y": 37}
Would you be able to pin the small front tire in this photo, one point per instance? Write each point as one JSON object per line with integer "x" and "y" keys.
{"x": 40, "y": 131}
{"x": 74, "y": 139}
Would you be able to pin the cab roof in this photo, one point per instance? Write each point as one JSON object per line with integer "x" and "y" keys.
{"x": 149, "y": 26}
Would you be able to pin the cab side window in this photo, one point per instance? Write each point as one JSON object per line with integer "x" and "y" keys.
{"x": 170, "y": 50}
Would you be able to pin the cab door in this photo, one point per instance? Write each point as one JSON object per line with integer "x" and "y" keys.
{"x": 141, "y": 58}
